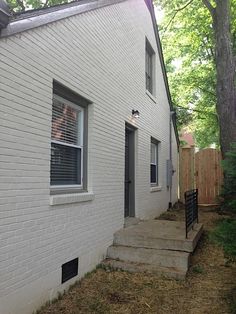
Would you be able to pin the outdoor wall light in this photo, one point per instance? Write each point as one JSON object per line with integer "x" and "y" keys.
{"x": 135, "y": 113}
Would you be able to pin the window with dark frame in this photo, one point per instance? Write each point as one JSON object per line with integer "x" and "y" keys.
{"x": 154, "y": 163}
{"x": 149, "y": 68}
{"x": 66, "y": 143}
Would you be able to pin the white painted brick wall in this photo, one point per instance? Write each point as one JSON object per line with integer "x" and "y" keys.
{"x": 101, "y": 56}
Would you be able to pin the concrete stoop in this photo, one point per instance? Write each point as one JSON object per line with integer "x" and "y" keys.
{"x": 157, "y": 246}
{"x": 168, "y": 272}
{"x": 130, "y": 221}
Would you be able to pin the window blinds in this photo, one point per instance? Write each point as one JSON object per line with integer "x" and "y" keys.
{"x": 66, "y": 143}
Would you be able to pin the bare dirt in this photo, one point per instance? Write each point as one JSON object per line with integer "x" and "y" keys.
{"x": 210, "y": 286}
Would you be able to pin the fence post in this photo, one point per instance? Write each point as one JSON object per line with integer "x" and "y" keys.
{"x": 186, "y": 170}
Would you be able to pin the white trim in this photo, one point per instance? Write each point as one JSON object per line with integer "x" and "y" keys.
{"x": 63, "y": 187}
{"x": 66, "y": 144}
{"x": 153, "y": 98}
{"x": 62, "y": 199}
{"x": 155, "y": 189}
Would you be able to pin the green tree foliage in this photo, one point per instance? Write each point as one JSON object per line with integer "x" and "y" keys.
{"x": 225, "y": 235}
{"x": 23, "y": 5}
{"x": 229, "y": 188}
{"x": 188, "y": 43}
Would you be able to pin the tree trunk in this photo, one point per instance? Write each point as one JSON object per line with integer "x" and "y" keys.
{"x": 225, "y": 67}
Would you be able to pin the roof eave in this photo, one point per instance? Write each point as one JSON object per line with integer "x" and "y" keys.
{"x": 25, "y": 24}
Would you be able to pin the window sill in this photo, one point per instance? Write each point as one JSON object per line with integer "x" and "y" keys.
{"x": 155, "y": 189}
{"x": 153, "y": 98}
{"x": 61, "y": 199}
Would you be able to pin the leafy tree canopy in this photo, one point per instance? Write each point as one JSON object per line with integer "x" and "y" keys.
{"x": 23, "y": 5}
{"x": 188, "y": 43}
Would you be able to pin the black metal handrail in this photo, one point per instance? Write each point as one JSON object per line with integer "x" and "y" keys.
{"x": 191, "y": 209}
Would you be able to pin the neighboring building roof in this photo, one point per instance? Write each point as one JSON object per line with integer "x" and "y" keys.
{"x": 188, "y": 138}
{"x": 30, "y": 19}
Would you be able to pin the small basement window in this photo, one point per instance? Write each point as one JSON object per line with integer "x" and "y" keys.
{"x": 69, "y": 270}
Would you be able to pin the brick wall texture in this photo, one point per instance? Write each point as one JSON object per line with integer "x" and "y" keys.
{"x": 101, "y": 56}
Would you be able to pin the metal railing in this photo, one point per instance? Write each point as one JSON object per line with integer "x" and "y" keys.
{"x": 191, "y": 209}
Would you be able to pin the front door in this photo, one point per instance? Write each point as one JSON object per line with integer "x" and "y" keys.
{"x": 129, "y": 172}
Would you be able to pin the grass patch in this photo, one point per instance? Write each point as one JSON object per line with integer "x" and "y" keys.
{"x": 167, "y": 216}
{"x": 95, "y": 304}
{"x": 198, "y": 269}
{"x": 224, "y": 234}
{"x": 232, "y": 299}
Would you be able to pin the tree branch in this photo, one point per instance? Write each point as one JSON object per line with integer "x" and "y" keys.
{"x": 209, "y": 7}
{"x": 46, "y": 4}
{"x": 21, "y": 5}
{"x": 212, "y": 54}
{"x": 176, "y": 12}
{"x": 196, "y": 110}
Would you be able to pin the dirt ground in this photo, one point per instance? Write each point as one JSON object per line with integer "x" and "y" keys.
{"x": 210, "y": 286}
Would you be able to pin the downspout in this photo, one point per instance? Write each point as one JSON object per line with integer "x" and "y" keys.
{"x": 170, "y": 168}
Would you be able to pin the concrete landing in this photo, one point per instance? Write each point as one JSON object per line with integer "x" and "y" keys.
{"x": 157, "y": 246}
{"x": 130, "y": 221}
{"x": 159, "y": 234}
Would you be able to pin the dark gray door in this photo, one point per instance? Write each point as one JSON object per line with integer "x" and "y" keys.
{"x": 129, "y": 172}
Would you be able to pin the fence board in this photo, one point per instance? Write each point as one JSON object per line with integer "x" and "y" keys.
{"x": 209, "y": 175}
{"x": 203, "y": 171}
{"x": 186, "y": 172}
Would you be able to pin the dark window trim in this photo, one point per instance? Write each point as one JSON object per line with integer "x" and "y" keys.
{"x": 67, "y": 93}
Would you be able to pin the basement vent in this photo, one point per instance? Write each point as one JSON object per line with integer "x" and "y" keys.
{"x": 69, "y": 270}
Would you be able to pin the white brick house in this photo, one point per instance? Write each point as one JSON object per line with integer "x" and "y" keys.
{"x": 70, "y": 78}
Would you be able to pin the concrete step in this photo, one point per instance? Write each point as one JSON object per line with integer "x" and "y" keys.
{"x": 155, "y": 257}
{"x": 159, "y": 234}
{"x": 130, "y": 221}
{"x": 169, "y": 272}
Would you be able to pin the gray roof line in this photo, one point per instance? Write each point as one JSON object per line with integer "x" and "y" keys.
{"x": 52, "y": 14}
{"x": 35, "y": 12}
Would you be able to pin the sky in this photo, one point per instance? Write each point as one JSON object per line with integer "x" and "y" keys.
{"x": 159, "y": 14}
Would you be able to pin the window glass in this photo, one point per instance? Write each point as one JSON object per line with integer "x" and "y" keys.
{"x": 149, "y": 67}
{"x": 153, "y": 153}
{"x": 66, "y": 123}
{"x": 66, "y": 143}
{"x": 154, "y": 163}
{"x": 153, "y": 174}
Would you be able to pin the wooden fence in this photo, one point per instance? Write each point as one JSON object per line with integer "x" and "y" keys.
{"x": 201, "y": 170}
